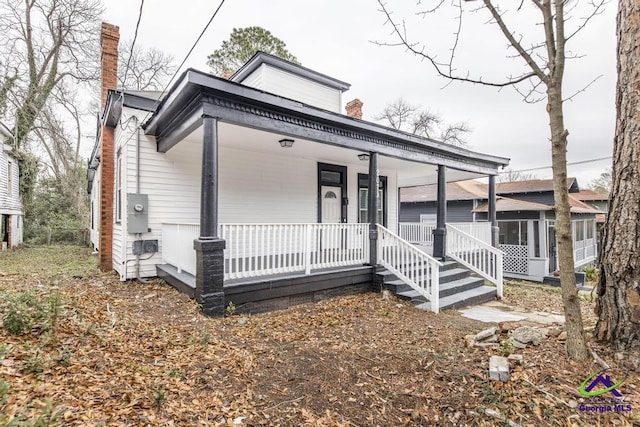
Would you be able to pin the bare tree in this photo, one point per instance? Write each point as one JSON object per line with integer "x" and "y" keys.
{"x": 541, "y": 77}
{"x": 44, "y": 42}
{"x": 618, "y": 303}
{"x": 143, "y": 68}
{"x": 413, "y": 118}
{"x": 602, "y": 184}
{"x": 510, "y": 175}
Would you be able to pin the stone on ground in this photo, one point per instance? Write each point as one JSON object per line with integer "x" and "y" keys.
{"x": 527, "y": 335}
{"x": 499, "y": 368}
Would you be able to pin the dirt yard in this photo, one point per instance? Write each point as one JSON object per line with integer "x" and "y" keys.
{"x": 95, "y": 351}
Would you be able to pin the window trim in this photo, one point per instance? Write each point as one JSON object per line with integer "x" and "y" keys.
{"x": 342, "y": 185}
{"x": 118, "y": 189}
{"x": 10, "y": 178}
{"x": 363, "y": 183}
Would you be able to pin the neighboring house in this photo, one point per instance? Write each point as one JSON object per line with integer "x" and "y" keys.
{"x": 596, "y": 200}
{"x": 526, "y": 220}
{"x": 255, "y": 190}
{"x": 11, "y": 211}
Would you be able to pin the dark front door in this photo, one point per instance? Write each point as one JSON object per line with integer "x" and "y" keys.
{"x": 332, "y": 193}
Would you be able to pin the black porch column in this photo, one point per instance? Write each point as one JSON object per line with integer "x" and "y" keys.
{"x": 492, "y": 211}
{"x": 440, "y": 232}
{"x": 209, "y": 247}
{"x": 372, "y": 208}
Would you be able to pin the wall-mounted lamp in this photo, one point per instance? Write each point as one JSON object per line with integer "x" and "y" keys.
{"x": 363, "y": 156}
{"x": 286, "y": 143}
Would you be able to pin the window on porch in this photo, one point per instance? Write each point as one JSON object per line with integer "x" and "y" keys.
{"x": 363, "y": 203}
{"x": 513, "y": 232}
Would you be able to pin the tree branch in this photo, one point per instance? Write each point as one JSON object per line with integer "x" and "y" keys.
{"x": 443, "y": 72}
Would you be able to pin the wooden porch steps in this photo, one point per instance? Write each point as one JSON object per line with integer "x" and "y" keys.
{"x": 458, "y": 288}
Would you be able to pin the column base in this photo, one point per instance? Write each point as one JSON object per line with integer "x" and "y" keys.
{"x": 210, "y": 275}
{"x": 439, "y": 243}
{"x": 212, "y": 304}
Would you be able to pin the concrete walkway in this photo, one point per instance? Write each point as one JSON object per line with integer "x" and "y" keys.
{"x": 496, "y": 311}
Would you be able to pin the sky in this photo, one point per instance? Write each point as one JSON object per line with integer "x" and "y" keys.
{"x": 338, "y": 38}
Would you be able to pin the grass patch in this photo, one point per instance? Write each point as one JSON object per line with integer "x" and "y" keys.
{"x": 49, "y": 261}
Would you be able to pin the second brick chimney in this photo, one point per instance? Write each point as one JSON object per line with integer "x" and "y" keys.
{"x": 109, "y": 38}
{"x": 354, "y": 109}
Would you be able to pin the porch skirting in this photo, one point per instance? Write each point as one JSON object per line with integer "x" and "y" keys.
{"x": 268, "y": 293}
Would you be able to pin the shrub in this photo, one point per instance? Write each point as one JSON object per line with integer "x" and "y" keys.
{"x": 25, "y": 310}
{"x": 591, "y": 272}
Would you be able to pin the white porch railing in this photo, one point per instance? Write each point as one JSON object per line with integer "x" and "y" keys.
{"x": 262, "y": 249}
{"x": 478, "y": 230}
{"x": 417, "y": 232}
{"x": 475, "y": 254}
{"x": 422, "y": 232}
{"x": 410, "y": 264}
{"x": 584, "y": 250}
{"x": 177, "y": 246}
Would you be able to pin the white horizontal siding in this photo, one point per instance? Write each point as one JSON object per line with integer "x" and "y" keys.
{"x": 255, "y": 79}
{"x": 300, "y": 89}
{"x": 253, "y": 188}
{"x": 9, "y": 197}
{"x": 172, "y": 183}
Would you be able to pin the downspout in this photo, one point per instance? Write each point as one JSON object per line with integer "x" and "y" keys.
{"x": 137, "y": 123}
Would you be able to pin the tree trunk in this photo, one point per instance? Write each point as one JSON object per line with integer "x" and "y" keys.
{"x": 618, "y": 303}
{"x": 575, "y": 344}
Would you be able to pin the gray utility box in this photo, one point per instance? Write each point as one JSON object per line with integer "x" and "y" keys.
{"x": 144, "y": 247}
{"x": 137, "y": 213}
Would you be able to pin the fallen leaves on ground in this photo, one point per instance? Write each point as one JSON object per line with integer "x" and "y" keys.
{"x": 141, "y": 354}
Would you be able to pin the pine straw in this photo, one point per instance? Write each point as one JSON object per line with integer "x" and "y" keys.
{"x": 131, "y": 354}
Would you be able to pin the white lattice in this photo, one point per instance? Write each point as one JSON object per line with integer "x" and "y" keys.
{"x": 516, "y": 258}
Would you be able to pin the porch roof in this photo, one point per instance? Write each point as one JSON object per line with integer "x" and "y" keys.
{"x": 197, "y": 94}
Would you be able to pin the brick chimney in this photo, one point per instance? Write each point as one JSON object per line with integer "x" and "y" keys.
{"x": 109, "y": 38}
{"x": 354, "y": 109}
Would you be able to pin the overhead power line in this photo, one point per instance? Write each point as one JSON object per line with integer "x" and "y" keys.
{"x": 164, "y": 89}
{"x": 581, "y": 162}
{"x": 133, "y": 45}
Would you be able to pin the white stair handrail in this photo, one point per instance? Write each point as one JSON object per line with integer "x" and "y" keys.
{"x": 410, "y": 264}
{"x": 478, "y": 256}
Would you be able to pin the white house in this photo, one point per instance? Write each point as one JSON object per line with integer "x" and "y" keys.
{"x": 254, "y": 190}
{"x": 11, "y": 211}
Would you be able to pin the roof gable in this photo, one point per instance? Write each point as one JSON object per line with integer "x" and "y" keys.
{"x": 262, "y": 58}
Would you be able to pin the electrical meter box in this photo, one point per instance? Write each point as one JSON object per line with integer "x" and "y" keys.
{"x": 137, "y": 213}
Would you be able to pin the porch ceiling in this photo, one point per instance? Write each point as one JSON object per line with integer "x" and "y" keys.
{"x": 409, "y": 173}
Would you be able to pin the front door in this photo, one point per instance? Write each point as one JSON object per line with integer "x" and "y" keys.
{"x": 331, "y": 204}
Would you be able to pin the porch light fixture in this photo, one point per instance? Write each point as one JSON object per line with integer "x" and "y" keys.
{"x": 286, "y": 143}
{"x": 363, "y": 156}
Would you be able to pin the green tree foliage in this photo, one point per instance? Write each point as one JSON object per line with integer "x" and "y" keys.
{"x": 54, "y": 209}
{"x": 242, "y": 44}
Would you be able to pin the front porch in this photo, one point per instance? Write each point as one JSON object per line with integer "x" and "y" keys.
{"x": 268, "y": 266}
{"x": 291, "y": 193}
